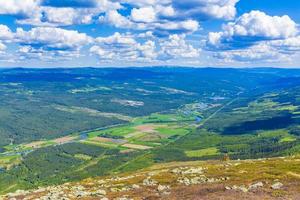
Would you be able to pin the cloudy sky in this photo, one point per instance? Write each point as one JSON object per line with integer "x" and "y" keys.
{"x": 218, "y": 33}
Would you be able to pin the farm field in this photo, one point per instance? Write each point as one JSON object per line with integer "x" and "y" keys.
{"x": 149, "y": 100}
{"x": 211, "y": 122}
{"x": 142, "y": 133}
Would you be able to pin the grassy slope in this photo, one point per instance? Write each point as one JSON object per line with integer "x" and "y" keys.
{"x": 210, "y": 141}
{"x": 237, "y": 173}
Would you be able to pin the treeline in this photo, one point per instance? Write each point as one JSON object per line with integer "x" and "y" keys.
{"x": 270, "y": 147}
{"x": 59, "y": 164}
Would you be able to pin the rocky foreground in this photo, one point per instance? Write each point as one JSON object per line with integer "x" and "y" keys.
{"x": 277, "y": 178}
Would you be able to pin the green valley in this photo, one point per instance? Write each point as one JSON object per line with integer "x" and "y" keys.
{"x": 110, "y": 131}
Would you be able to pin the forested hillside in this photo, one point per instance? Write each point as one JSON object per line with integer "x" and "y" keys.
{"x": 62, "y": 125}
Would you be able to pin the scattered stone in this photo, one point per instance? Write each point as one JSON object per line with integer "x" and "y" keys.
{"x": 198, "y": 170}
{"x": 17, "y": 193}
{"x": 241, "y": 188}
{"x": 199, "y": 180}
{"x": 166, "y": 193}
{"x": 114, "y": 189}
{"x": 188, "y": 170}
{"x": 149, "y": 182}
{"x": 277, "y": 186}
{"x": 228, "y": 188}
{"x": 162, "y": 188}
{"x": 124, "y": 189}
{"x": 101, "y": 181}
{"x": 81, "y": 194}
{"x": 224, "y": 178}
{"x": 123, "y": 198}
{"x": 135, "y": 186}
{"x": 100, "y": 192}
{"x": 176, "y": 171}
{"x": 196, "y": 180}
{"x": 256, "y": 185}
{"x": 184, "y": 181}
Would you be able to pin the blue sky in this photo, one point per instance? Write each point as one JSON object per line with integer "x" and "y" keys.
{"x": 100, "y": 33}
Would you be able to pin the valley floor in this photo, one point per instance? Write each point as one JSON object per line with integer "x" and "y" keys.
{"x": 153, "y": 133}
{"x": 276, "y": 178}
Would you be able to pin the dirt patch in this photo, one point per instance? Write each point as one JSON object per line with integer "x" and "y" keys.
{"x": 150, "y": 134}
{"x": 35, "y": 145}
{"x": 103, "y": 139}
{"x": 136, "y": 146}
{"x": 127, "y": 151}
{"x": 148, "y": 128}
{"x": 64, "y": 140}
{"x": 134, "y": 134}
{"x": 145, "y": 128}
{"x": 153, "y": 137}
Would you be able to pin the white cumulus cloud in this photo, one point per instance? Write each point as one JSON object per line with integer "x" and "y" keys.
{"x": 18, "y": 7}
{"x": 5, "y": 32}
{"x": 52, "y": 38}
{"x": 57, "y": 13}
{"x": 2, "y": 46}
{"x": 145, "y": 14}
{"x": 123, "y": 47}
{"x": 252, "y": 27}
{"x": 259, "y": 52}
{"x": 116, "y": 19}
{"x": 256, "y": 36}
{"x": 176, "y": 47}
{"x": 203, "y": 9}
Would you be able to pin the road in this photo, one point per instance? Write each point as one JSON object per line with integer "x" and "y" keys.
{"x": 147, "y": 152}
{"x": 217, "y": 111}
